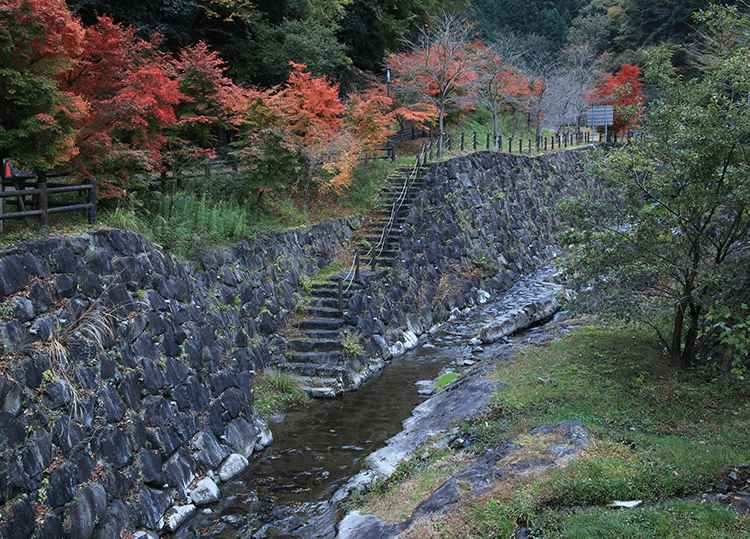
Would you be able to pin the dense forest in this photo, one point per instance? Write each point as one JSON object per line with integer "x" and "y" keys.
{"x": 343, "y": 39}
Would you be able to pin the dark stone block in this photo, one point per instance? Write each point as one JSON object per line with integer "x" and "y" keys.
{"x": 16, "y": 338}
{"x": 84, "y": 464}
{"x": 163, "y": 440}
{"x": 169, "y": 346}
{"x": 156, "y": 300}
{"x": 51, "y": 528}
{"x": 88, "y": 508}
{"x": 150, "y": 464}
{"x": 117, "y": 520}
{"x": 98, "y": 262}
{"x": 132, "y": 273}
{"x": 144, "y": 347}
{"x": 10, "y": 396}
{"x": 157, "y": 323}
{"x": 107, "y": 368}
{"x": 64, "y": 286}
{"x": 63, "y": 260}
{"x": 20, "y": 524}
{"x": 11, "y": 430}
{"x": 130, "y": 389}
{"x": 136, "y": 431}
{"x": 111, "y": 445}
{"x": 86, "y": 377}
{"x": 90, "y": 284}
{"x": 207, "y": 449}
{"x": 37, "y": 453}
{"x": 119, "y": 299}
{"x": 192, "y": 395}
{"x": 152, "y": 376}
{"x": 114, "y": 408}
{"x": 156, "y": 410}
{"x": 66, "y": 435}
{"x": 180, "y": 471}
{"x": 62, "y": 485}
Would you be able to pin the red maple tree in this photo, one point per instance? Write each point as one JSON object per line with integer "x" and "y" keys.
{"x": 623, "y": 91}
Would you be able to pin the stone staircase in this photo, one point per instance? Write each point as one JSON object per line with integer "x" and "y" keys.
{"x": 316, "y": 354}
{"x": 380, "y": 236}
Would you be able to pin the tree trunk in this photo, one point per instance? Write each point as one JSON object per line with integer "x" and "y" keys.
{"x": 675, "y": 348}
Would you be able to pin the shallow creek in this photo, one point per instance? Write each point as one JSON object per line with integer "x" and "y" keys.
{"x": 285, "y": 491}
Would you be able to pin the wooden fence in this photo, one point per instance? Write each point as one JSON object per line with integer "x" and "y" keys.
{"x": 472, "y": 142}
{"x": 38, "y": 200}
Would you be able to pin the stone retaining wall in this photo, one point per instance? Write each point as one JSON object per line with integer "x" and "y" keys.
{"x": 126, "y": 388}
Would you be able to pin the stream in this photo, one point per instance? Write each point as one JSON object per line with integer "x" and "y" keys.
{"x": 284, "y": 492}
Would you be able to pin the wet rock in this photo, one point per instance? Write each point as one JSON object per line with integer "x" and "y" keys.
{"x": 234, "y": 465}
{"x": 180, "y": 471}
{"x": 358, "y": 526}
{"x": 177, "y": 515}
{"x": 205, "y": 492}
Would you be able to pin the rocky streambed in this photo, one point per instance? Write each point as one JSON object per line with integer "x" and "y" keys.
{"x": 293, "y": 488}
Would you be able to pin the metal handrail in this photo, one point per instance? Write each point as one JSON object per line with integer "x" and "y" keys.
{"x": 353, "y": 273}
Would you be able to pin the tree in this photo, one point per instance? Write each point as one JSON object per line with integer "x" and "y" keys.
{"x": 623, "y": 91}
{"x": 498, "y": 84}
{"x": 131, "y": 89}
{"x": 440, "y": 65}
{"x": 669, "y": 251}
{"x": 38, "y": 41}
{"x": 577, "y": 74}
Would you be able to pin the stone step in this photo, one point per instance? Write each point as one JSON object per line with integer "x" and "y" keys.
{"x": 325, "y": 324}
{"x": 315, "y": 345}
{"x": 323, "y": 334}
{"x": 314, "y": 361}
{"x": 323, "y": 312}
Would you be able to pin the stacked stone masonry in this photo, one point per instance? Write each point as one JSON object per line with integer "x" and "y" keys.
{"x": 126, "y": 385}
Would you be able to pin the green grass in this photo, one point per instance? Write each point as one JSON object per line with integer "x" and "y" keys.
{"x": 662, "y": 434}
{"x": 444, "y": 380}
{"x": 276, "y": 392}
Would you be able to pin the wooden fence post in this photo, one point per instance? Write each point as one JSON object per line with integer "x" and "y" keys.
{"x": 520, "y": 146}
{"x": 462, "y": 142}
{"x": 42, "y": 186}
{"x": 488, "y": 141}
{"x": 510, "y": 145}
{"x": 92, "y": 201}
{"x": 475, "y": 140}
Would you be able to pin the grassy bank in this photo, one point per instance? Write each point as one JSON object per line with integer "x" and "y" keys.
{"x": 662, "y": 434}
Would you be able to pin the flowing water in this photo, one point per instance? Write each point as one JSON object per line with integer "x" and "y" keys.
{"x": 285, "y": 491}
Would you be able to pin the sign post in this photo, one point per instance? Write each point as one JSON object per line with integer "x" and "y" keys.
{"x": 602, "y": 115}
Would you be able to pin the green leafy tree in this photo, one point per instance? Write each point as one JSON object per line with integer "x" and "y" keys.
{"x": 676, "y": 239}
{"x": 37, "y": 41}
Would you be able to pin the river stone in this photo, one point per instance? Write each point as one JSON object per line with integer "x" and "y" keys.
{"x": 358, "y": 526}
{"x": 234, "y": 465}
{"x": 177, "y": 515}
{"x": 205, "y": 492}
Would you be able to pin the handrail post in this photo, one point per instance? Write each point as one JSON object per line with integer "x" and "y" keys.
{"x": 372, "y": 263}
{"x": 356, "y": 265}
{"x": 341, "y": 293}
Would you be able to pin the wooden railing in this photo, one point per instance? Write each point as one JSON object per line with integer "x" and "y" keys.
{"x": 39, "y": 198}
